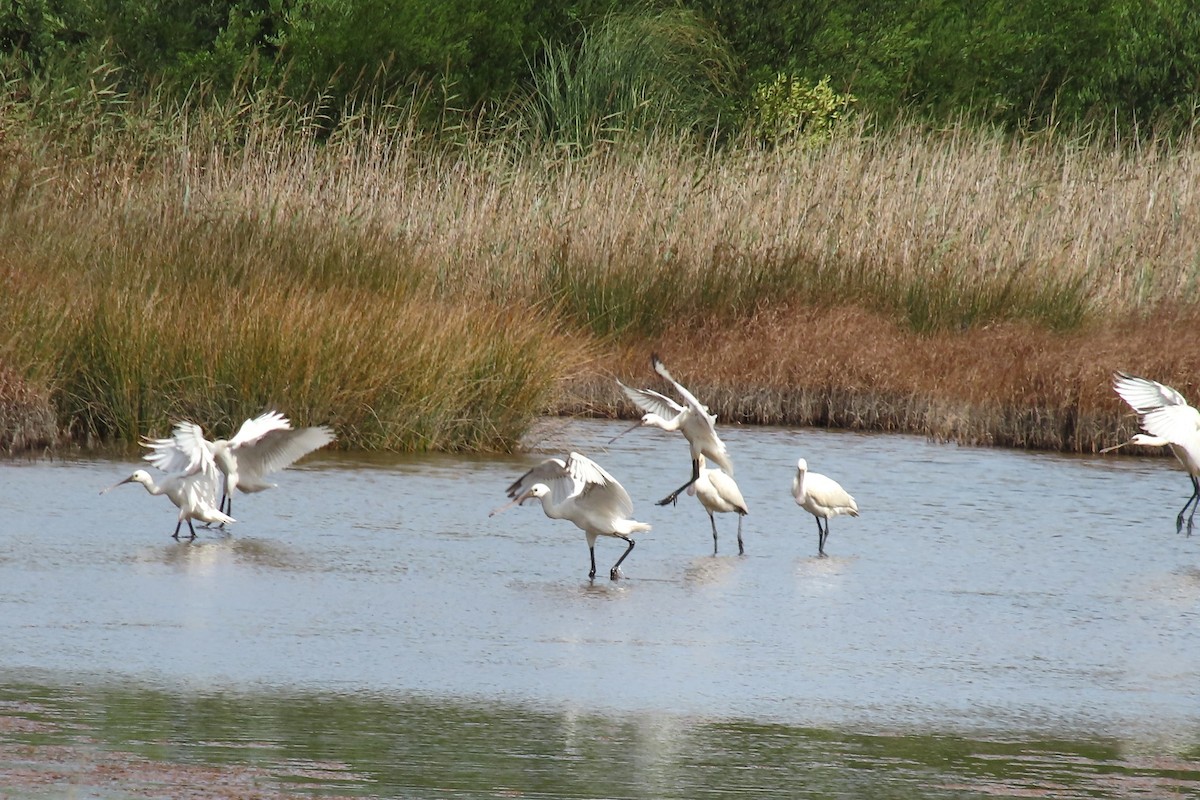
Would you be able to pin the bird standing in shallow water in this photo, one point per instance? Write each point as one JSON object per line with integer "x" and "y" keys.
{"x": 822, "y": 497}
{"x": 719, "y": 493}
{"x": 578, "y": 489}
{"x": 690, "y": 418}
{"x": 263, "y": 445}
{"x": 191, "y": 484}
{"x": 1166, "y": 416}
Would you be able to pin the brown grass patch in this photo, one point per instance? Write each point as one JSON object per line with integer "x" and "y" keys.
{"x": 1008, "y": 384}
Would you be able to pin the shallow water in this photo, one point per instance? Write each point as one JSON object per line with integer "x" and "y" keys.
{"x": 994, "y": 624}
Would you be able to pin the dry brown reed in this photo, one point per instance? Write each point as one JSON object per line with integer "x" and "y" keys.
{"x": 1012, "y": 384}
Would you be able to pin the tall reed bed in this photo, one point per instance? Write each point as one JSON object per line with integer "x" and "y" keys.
{"x": 433, "y": 293}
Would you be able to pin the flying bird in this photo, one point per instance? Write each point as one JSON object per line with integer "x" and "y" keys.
{"x": 191, "y": 483}
{"x": 578, "y": 489}
{"x": 691, "y": 418}
{"x": 1169, "y": 421}
{"x": 719, "y": 493}
{"x": 822, "y": 497}
{"x": 268, "y": 443}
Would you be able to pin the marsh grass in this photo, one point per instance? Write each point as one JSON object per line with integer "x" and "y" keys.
{"x": 436, "y": 292}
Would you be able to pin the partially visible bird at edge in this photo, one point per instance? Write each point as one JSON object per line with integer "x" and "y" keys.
{"x": 1169, "y": 421}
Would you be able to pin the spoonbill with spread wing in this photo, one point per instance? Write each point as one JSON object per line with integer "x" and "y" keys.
{"x": 191, "y": 483}
{"x": 1169, "y": 421}
{"x": 690, "y": 418}
{"x": 578, "y": 489}
{"x": 268, "y": 443}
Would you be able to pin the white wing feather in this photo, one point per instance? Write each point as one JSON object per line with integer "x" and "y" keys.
{"x": 652, "y": 402}
{"x": 254, "y": 429}
{"x": 277, "y": 448}
{"x": 1178, "y": 424}
{"x": 691, "y": 400}
{"x": 185, "y": 453}
{"x": 1143, "y": 394}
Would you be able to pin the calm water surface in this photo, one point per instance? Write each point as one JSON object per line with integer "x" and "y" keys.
{"x": 995, "y": 624}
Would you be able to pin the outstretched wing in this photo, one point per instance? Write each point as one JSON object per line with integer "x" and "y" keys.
{"x": 599, "y": 490}
{"x": 254, "y": 429}
{"x": 1143, "y": 394}
{"x": 1178, "y": 424}
{"x": 277, "y": 449}
{"x": 688, "y": 397}
{"x": 185, "y": 453}
{"x": 652, "y": 402}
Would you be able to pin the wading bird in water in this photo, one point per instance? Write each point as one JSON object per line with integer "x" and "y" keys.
{"x": 1169, "y": 421}
{"x": 822, "y": 497}
{"x": 578, "y": 489}
{"x": 191, "y": 485}
{"x": 718, "y": 493}
{"x": 268, "y": 443}
{"x": 690, "y": 418}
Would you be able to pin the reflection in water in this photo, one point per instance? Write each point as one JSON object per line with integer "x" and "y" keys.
{"x": 143, "y": 741}
{"x": 709, "y": 570}
{"x": 202, "y": 556}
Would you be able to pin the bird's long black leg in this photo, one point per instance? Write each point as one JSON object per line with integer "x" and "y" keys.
{"x": 178, "y": 525}
{"x": 227, "y": 508}
{"x": 1194, "y": 502}
{"x": 613, "y": 572}
{"x": 190, "y": 528}
{"x": 592, "y": 550}
{"x": 714, "y": 526}
{"x": 821, "y": 534}
{"x": 741, "y": 549}
{"x": 695, "y": 477}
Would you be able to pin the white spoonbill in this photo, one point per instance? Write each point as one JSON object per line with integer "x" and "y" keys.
{"x": 1169, "y": 421}
{"x": 578, "y": 489}
{"x": 719, "y": 493}
{"x": 691, "y": 418}
{"x": 822, "y": 497}
{"x": 263, "y": 445}
{"x": 191, "y": 486}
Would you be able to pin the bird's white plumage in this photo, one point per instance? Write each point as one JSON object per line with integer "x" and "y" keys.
{"x": 691, "y": 418}
{"x": 193, "y": 492}
{"x": 821, "y": 496}
{"x": 1169, "y": 420}
{"x": 262, "y": 445}
{"x": 1143, "y": 394}
{"x": 579, "y": 490}
{"x": 719, "y": 494}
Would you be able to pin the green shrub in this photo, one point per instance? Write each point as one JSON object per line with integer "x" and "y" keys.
{"x": 640, "y": 72}
{"x": 790, "y": 108}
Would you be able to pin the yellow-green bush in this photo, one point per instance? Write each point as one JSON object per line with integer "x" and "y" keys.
{"x": 789, "y": 107}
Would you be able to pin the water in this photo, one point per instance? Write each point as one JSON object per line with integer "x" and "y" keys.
{"x": 995, "y": 624}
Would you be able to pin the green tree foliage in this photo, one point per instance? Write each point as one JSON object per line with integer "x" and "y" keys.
{"x": 1015, "y": 62}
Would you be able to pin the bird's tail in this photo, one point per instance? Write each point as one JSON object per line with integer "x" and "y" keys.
{"x": 628, "y": 526}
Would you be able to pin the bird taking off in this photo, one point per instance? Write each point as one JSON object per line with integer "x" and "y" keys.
{"x": 691, "y": 418}
{"x": 1168, "y": 421}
